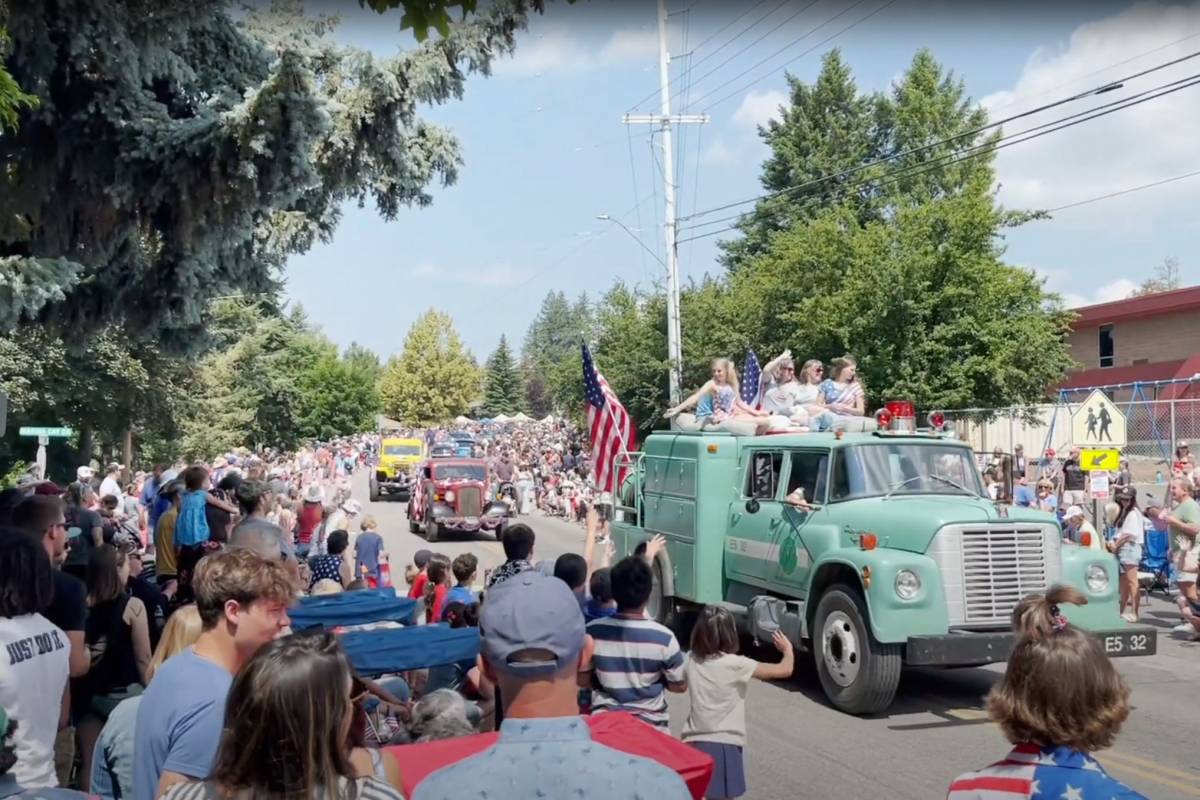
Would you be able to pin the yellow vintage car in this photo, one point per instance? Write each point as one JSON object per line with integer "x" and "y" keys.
{"x": 393, "y": 473}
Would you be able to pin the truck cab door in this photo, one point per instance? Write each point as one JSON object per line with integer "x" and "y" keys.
{"x": 791, "y": 560}
{"x": 754, "y": 519}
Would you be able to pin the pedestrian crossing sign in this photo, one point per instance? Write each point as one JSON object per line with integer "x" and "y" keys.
{"x": 1098, "y": 423}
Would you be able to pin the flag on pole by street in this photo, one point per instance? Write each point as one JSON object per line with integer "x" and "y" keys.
{"x": 610, "y": 428}
{"x": 751, "y": 378}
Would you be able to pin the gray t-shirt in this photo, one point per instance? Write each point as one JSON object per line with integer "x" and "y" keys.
{"x": 263, "y": 537}
{"x": 781, "y": 398}
{"x": 717, "y": 691}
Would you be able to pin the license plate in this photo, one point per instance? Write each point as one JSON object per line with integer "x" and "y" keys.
{"x": 472, "y": 520}
{"x": 1129, "y": 643}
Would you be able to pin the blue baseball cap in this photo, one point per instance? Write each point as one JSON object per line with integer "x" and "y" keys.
{"x": 530, "y": 611}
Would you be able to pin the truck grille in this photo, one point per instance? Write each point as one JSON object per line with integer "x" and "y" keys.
{"x": 470, "y": 501}
{"x": 987, "y": 569}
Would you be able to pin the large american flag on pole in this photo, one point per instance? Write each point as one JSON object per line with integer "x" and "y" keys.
{"x": 610, "y": 428}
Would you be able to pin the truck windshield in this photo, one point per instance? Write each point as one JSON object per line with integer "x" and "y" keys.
{"x": 402, "y": 450}
{"x": 461, "y": 472}
{"x": 903, "y": 468}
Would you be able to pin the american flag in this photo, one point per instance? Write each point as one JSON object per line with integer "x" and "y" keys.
{"x": 1031, "y": 772}
{"x": 751, "y": 378}
{"x": 611, "y": 428}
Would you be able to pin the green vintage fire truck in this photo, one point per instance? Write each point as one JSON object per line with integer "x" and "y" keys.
{"x": 896, "y": 556}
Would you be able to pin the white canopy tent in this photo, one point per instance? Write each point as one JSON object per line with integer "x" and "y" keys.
{"x": 502, "y": 418}
{"x": 547, "y": 420}
{"x": 461, "y": 420}
{"x": 521, "y": 416}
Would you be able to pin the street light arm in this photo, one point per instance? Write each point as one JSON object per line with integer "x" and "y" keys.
{"x": 634, "y": 236}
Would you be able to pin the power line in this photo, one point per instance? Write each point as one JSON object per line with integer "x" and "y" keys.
{"x": 815, "y": 47}
{"x": 726, "y": 26}
{"x": 1112, "y": 85}
{"x": 975, "y": 151}
{"x": 794, "y": 14}
{"x": 988, "y": 148}
{"x": 1079, "y": 78}
{"x": 1120, "y": 192}
{"x": 723, "y": 46}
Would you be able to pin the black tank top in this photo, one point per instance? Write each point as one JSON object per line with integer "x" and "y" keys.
{"x": 110, "y": 640}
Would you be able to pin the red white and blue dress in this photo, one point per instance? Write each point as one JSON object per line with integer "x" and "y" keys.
{"x": 1032, "y": 772}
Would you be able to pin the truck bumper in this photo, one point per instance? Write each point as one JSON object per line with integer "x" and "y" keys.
{"x": 966, "y": 648}
{"x": 470, "y": 524}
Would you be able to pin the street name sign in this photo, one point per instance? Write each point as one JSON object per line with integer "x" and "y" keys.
{"x": 1108, "y": 460}
{"x": 55, "y": 433}
{"x": 1098, "y": 423}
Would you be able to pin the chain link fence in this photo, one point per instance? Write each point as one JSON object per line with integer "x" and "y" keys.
{"x": 1153, "y": 430}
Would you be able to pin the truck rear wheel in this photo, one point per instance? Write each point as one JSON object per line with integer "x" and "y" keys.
{"x": 858, "y": 673}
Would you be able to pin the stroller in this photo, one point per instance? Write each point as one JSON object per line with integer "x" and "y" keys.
{"x": 1154, "y": 571}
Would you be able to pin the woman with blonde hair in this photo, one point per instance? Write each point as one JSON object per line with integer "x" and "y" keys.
{"x": 112, "y": 760}
{"x": 718, "y": 401}
{"x": 1060, "y": 700}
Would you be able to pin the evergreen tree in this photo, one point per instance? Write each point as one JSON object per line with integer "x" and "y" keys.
{"x": 502, "y": 393}
{"x": 825, "y": 129}
{"x": 434, "y": 378}
{"x": 180, "y": 153}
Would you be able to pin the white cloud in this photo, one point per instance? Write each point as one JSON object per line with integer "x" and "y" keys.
{"x": 558, "y": 50}
{"x": 1076, "y": 294}
{"x": 759, "y": 107}
{"x": 499, "y": 275}
{"x": 422, "y": 270}
{"x": 628, "y": 46}
{"x": 719, "y": 154}
{"x": 1130, "y": 147}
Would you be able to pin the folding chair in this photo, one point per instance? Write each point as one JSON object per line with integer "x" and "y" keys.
{"x": 1154, "y": 570}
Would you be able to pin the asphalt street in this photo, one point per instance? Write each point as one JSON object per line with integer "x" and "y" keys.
{"x": 799, "y": 747}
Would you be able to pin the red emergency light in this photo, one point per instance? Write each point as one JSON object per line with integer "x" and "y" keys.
{"x": 899, "y": 416}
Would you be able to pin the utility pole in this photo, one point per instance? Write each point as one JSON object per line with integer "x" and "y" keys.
{"x": 665, "y": 119}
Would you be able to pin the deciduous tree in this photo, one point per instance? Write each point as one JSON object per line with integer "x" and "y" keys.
{"x": 434, "y": 378}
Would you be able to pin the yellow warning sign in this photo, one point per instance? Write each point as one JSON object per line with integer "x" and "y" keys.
{"x": 1099, "y": 460}
{"x": 1098, "y": 423}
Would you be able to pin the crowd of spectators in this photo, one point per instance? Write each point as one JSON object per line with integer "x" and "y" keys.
{"x": 171, "y": 648}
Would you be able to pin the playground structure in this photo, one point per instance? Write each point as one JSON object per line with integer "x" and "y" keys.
{"x": 1158, "y": 415}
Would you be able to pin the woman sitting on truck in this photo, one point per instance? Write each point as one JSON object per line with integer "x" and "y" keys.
{"x": 718, "y": 403}
{"x": 842, "y": 392}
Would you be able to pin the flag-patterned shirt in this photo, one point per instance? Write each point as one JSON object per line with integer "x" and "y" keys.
{"x": 633, "y": 662}
{"x": 1031, "y": 772}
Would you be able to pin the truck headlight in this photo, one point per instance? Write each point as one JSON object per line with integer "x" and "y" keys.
{"x": 1097, "y": 579}
{"x": 907, "y": 584}
{"x": 449, "y": 495}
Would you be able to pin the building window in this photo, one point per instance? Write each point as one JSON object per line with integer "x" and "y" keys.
{"x": 1106, "y": 345}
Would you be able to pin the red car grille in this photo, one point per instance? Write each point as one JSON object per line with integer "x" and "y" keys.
{"x": 470, "y": 501}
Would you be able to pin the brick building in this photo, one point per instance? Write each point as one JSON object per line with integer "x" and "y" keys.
{"x": 1139, "y": 340}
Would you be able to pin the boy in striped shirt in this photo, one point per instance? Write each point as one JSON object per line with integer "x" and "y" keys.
{"x": 636, "y": 660}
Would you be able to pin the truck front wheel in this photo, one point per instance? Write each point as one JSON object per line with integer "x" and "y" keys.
{"x": 373, "y": 485}
{"x": 858, "y": 673}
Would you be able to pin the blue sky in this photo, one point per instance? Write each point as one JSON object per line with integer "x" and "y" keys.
{"x": 546, "y": 151}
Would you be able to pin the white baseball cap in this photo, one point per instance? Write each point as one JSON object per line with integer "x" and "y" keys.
{"x": 84, "y": 473}
{"x": 1074, "y": 511}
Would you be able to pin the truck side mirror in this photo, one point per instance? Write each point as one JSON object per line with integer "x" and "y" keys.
{"x": 752, "y": 506}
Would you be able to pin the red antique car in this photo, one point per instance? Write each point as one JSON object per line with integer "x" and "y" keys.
{"x": 452, "y": 495}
